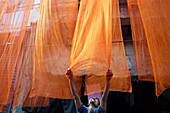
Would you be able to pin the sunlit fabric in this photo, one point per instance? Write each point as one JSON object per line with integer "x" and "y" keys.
{"x": 3, "y": 7}
{"x": 92, "y": 41}
{"x": 24, "y": 68}
{"x": 143, "y": 60}
{"x": 52, "y": 49}
{"x": 155, "y": 15}
{"x": 13, "y": 18}
{"x": 1, "y": 108}
{"x": 36, "y": 102}
{"x": 121, "y": 80}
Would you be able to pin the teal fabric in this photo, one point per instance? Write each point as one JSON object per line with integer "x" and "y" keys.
{"x": 18, "y": 110}
{"x": 59, "y": 106}
{"x": 84, "y": 109}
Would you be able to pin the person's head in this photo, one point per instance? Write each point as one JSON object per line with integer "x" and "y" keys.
{"x": 95, "y": 102}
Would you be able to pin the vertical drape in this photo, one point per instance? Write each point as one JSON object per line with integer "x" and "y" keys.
{"x": 143, "y": 61}
{"x": 97, "y": 25}
{"x": 14, "y": 19}
{"x": 24, "y": 68}
{"x": 36, "y": 102}
{"x": 91, "y": 46}
{"x": 155, "y": 15}
{"x": 121, "y": 80}
{"x": 3, "y": 7}
{"x": 52, "y": 49}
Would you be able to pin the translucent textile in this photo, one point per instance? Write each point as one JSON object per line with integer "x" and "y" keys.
{"x": 143, "y": 61}
{"x": 52, "y": 49}
{"x": 13, "y": 18}
{"x": 155, "y": 15}
{"x": 92, "y": 41}
{"x": 25, "y": 67}
{"x": 36, "y": 55}
{"x": 97, "y": 25}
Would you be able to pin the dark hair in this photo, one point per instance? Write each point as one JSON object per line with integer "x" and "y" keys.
{"x": 97, "y": 99}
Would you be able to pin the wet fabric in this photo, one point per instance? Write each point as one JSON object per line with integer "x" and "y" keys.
{"x": 24, "y": 70}
{"x": 13, "y": 25}
{"x": 121, "y": 80}
{"x": 39, "y": 53}
{"x": 52, "y": 50}
{"x": 45, "y": 54}
{"x": 143, "y": 60}
{"x": 92, "y": 41}
{"x": 155, "y": 15}
{"x": 84, "y": 109}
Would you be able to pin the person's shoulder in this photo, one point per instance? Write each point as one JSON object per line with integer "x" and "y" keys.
{"x": 99, "y": 110}
{"x": 83, "y": 109}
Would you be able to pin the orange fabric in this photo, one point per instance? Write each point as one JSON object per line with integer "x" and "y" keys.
{"x": 40, "y": 55}
{"x": 143, "y": 61}
{"x": 3, "y": 7}
{"x": 155, "y": 15}
{"x": 23, "y": 84}
{"x": 52, "y": 51}
{"x": 36, "y": 102}
{"x": 1, "y": 108}
{"x": 14, "y": 24}
{"x": 91, "y": 46}
{"x": 121, "y": 80}
{"x": 24, "y": 67}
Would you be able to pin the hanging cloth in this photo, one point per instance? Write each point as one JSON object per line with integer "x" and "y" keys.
{"x": 143, "y": 60}
{"x": 155, "y": 15}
